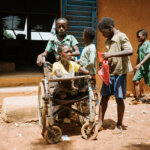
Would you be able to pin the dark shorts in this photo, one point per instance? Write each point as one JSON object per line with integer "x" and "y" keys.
{"x": 116, "y": 87}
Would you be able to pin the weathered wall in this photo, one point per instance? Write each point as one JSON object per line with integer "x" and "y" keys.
{"x": 129, "y": 17}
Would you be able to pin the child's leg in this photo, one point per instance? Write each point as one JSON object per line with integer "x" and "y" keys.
{"x": 137, "y": 90}
{"x": 60, "y": 92}
{"x": 120, "y": 94}
{"x": 103, "y": 105}
{"x": 120, "y": 110}
{"x": 136, "y": 80}
{"x": 102, "y": 109}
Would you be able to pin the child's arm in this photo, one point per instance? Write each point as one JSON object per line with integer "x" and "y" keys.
{"x": 142, "y": 62}
{"x": 74, "y": 44}
{"x": 76, "y": 51}
{"x": 39, "y": 57}
{"x": 126, "y": 48}
{"x": 56, "y": 70}
{"x": 123, "y": 53}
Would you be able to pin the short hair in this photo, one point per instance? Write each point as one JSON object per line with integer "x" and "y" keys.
{"x": 106, "y": 22}
{"x": 143, "y": 31}
{"x": 60, "y": 48}
{"x": 62, "y": 19}
{"x": 89, "y": 33}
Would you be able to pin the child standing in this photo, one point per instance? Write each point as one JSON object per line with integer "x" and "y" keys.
{"x": 88, "y": 58}
{"x": 142, "y": 67}
{"x": 59, "y": 39}
{"x": 118, "y": 50}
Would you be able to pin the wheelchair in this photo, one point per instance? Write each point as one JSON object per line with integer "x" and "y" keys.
{"x": 84, "y": 107}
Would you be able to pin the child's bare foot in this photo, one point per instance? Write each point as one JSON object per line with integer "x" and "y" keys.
{"x": 135, "y": 102}
{"x": 118, "y": 129}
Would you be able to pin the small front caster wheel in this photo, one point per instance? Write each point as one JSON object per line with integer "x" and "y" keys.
{"x": 89, "y": 131}
{"x": 52, "y": 135}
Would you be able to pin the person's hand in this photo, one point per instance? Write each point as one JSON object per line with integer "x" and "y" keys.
{"x": 137, "y": 66}
{"x": 58, "y": 73}
{"x": 39, "y": 60}
{"x": 107, "y": 55}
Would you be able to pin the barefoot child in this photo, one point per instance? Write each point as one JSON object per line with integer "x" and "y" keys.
{"x": 118, "y": 51}
{"x": 59, "y": 39}
{"x": 142, "y": 67}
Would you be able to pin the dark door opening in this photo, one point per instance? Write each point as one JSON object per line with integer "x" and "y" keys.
{"x": 25, "y": 28}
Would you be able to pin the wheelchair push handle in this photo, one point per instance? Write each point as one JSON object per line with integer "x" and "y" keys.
{"x": 45, "y": 63}
{"x": 43, "y": 59}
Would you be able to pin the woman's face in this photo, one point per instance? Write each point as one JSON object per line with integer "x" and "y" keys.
{"x": 66, "y": 53}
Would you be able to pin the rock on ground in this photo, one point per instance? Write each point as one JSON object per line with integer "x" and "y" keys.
{"x": 20, "y": 109}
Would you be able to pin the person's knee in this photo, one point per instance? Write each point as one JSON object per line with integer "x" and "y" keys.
{"x": 119, "y": 101}
{"x": 104, "y": 100}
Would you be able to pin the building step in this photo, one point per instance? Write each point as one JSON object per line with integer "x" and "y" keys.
{"x": 20, "y": 109}
{"x": 20, "y": 79}
{"x": 17, "y": 91}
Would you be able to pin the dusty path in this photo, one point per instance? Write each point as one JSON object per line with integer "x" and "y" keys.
{"x": 136, "y": 136}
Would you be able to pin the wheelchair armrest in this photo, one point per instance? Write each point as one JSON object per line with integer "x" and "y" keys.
{"x": 72, "y": 78}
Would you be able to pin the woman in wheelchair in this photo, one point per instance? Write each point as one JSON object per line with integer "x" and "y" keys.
{"x": 66, "y": 100}
{"x": 65, "y": 68}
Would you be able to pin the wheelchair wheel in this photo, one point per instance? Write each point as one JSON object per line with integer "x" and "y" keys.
{"x": 52, "y": 135}
{"x": 41, "y": 94}
{"x": 89, "y": 132}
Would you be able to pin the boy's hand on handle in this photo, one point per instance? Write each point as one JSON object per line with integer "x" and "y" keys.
{"x": 39, "y": 60}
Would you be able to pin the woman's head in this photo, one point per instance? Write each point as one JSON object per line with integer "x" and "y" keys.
{"x": 65, "y": 52}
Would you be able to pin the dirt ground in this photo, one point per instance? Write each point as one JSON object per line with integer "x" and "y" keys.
{"x": 136, "y": 136}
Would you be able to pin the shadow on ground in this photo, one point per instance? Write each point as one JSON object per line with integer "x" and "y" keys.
{"x": 41, "y": 144}
{"x": 138, "y": 146}
{"x": 146, "y": 101}
{"x": 111, "y": 124}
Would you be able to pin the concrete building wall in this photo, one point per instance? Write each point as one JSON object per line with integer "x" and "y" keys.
{"x": 129, "y": 17}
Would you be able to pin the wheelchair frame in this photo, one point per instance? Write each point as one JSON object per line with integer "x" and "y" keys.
{"x": 51, "y": 132}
